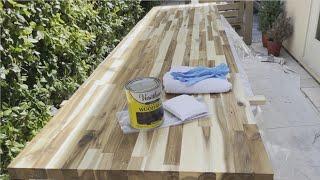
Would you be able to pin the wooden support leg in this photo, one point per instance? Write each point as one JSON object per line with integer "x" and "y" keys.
{"x": 248, "y": 18}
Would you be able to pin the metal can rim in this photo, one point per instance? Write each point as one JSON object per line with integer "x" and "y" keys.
{"x": 157, "y": 80}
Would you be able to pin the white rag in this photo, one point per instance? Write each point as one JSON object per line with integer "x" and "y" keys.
{"x": 185, "y": 107}
{"x": 211, "y": 85}
{"x": 168, "y": 118}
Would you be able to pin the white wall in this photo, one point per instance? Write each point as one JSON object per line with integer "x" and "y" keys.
{"x": 299, "y": 10}
{"x": 311, "y": 59}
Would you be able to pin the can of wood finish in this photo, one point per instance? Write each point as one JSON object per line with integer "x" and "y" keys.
{"x": 144, "y": 102}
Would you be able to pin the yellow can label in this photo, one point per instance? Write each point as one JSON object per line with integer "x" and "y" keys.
{"x": 145, "y": 108}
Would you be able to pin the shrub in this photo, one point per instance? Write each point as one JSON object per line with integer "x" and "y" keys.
{"x": 48, "y": 48}
{"x": 268, "y": 12}
{"x": 281, "y": 29}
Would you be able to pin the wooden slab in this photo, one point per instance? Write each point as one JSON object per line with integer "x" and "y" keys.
{"x": 85, "y": 141}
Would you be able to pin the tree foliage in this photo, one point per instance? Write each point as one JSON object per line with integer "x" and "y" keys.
{"x": 48, "y": 48}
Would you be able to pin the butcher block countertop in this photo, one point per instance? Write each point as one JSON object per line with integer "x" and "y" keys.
{"x": 85, "y": 141}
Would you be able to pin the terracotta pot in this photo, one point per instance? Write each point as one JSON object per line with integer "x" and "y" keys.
{"x": 274, "y": 48}
{"x": 264, "y": 40}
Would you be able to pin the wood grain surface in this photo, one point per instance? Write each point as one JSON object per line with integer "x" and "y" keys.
{"x": 85, "y": 141}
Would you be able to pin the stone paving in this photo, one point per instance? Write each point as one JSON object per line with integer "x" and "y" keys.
{"x": 290, "y": 120}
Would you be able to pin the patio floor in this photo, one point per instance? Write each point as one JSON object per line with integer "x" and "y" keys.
{"x": 290, "y": 121}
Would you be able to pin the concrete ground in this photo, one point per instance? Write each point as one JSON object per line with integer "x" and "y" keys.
{"x": 290, "y": 120}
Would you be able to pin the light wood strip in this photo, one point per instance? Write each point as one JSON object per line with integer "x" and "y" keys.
{"x": 157, "y": 150}
{"x": 192, "y": 137}
{"x": 164, "y": 45}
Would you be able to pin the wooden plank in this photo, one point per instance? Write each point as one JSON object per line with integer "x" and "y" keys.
{"x": 173, "y": 147}
{"x": 258, "y": 153}
{"x": 257, "y": 100}
{"x": 230, "y": 13}
{"x": 241, "y": 99}
{"x": 248, "y": 22}
{"x": 230, "y": 58}
{"x": 229, "y": 6}
{"x": 234, "y": 20}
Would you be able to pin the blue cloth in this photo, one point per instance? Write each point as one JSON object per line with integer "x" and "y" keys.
{"x": 201, "y": 73}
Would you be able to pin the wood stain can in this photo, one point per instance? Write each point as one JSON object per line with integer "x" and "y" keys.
{"x": 144, "y": 102}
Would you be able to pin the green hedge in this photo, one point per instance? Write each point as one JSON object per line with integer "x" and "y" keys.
{"x": 48, "y": 48}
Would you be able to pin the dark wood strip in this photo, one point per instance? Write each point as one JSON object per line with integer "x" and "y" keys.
{"x": 135, "y": 163}
{"x": 204, "y": 122}
{"x": 168, "y": 24}
{"x": 230, "y": 59}
{"x": 178, "y": 14}
{"x": 206, "y": 130}
{"x": 210, "y": 63}
{"x": 166, "y": 17}
{"x": 215, "y": 96}
{"x": 78, "y": 153}
{"x": 173, "y": 148}
{"x": 223, "y": 35}
{"x": 209, "y": 28}
{"x": 180, "y": 21}
{"x": 203, "y": 49}
{"x": 171, "y": 51}
{"x": 122, "y": 155}
{"x": 234, "y": 113}
{"x": 202, "y": 44}
{"x": 152, "y": 51}
{"x": 259, "y": 156}
{"x": 242, "y": 156}
{"x": 217, "y": 45}
{"x": 191, "y": 18}
{"x": 186, "y": 56}
{"x": 114, "y": 140}
{"x": 158, "y": 19}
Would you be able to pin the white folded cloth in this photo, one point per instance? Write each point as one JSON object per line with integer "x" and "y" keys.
{"x": 185, "y": 107}
{"x": 168, "y": 118}
{"x": 211, "y": 85}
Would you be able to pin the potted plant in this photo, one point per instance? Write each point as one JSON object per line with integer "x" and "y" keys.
{"x": 281, "y": 29}
{"x": 268, "y": 12}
